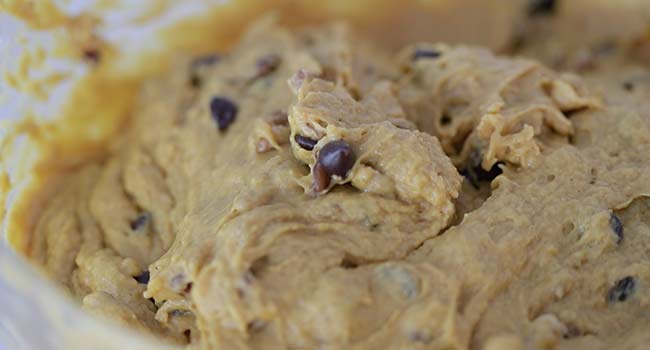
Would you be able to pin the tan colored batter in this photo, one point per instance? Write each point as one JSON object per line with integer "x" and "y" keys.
{"x": 247, "y": 248}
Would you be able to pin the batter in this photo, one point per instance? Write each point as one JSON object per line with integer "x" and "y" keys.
{"x": 310, "y": 191}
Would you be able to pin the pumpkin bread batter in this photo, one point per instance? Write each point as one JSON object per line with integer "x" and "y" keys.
{"x": 310, "y": 191}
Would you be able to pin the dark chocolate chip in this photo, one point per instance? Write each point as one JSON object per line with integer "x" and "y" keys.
{"x": 321, "y": 178}
{"x": 337, "y": 158}
{"x": 593, "y": 176}
{"x": 255, "y": 326}
{"x": 571, "y": 332}
{"x": 570, "y": 113}
{"x": 92, "y": 55}
{"x": 267, "y": 64}
{"x": 224, "y": 111}
{"x": 258, "y": 266}
{"x": 142, "y": 278}
{"x": 348, "y": 263}
{"x": 140, "y": 222}
{"x": 188, "y": 335}
{"x": 305, "y": 142}
{"x": 445, "y": 119}
{"x": 541, "y": 7}
{"x": 617, "y": 227}
{"x": 622, "y": 290}
{"x": 628, "y": 86}
{"x": 425, "y": 54}
{"x": 475, "y": 173}
{"x": 195, "y": 80}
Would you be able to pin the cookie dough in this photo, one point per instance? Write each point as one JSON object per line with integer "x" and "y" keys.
{"x": 308, "y": 190}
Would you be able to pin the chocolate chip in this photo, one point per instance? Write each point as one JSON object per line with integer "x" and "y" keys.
{"x": 349, "y": 263}
{"x": 617, "y": 227}
{"x": 267, "y": 64}
{"x": 224, "y": 111}
{"x": 593, "y": 176}
{"x": 305, "y": 142}
{"x": 621, "y": 290}
{"x": 336, "y": 158}
{"x": 92, "y": 55}
{"x": 572, "y": 331}
{"x": 142, "y": 278}
{"x": 195, "y": 80}
{"x": 475, "y": 173}
{"x": 259, "y": 266}
{"x": 140, "y": 222}
{"x": 445, "y": 120}
{"x": 541, "y": 7}
{"x": 188, "y": 335}
{"x": 255, "y": 326}
{"x": 570, "y": 113}
{"x": 628, "y": 86}
{"x": 321, "y": 178}
{"x": 425, "y": 54}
